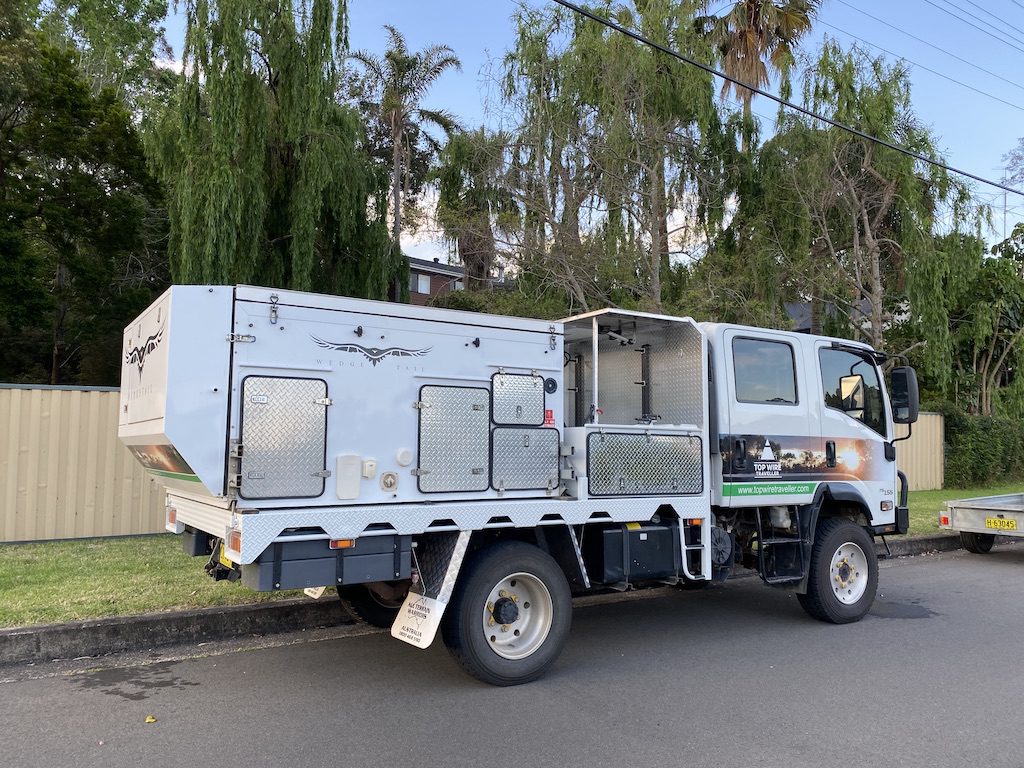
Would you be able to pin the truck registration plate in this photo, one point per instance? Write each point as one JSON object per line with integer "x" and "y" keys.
{"x": 1000, "y": 524}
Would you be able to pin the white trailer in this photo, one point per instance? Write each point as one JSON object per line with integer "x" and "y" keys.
{"x": 469, "y": 473}
{"x": 980, "y": 519}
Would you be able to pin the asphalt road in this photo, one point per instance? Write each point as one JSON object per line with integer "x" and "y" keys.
{"x": 731, "y": 676}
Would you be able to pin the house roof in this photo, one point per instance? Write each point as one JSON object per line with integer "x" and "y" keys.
{"x": 436, "y": 267}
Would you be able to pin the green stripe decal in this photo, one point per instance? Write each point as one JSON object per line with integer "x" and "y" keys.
{"x": 174, "y": 475}
{"x": 768, "y": 489}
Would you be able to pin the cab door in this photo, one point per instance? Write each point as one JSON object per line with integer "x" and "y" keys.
{"x": 770, "y": 442}
{"x": 855, "y": 427}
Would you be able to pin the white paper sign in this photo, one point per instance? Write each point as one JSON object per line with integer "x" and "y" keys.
{"x": 418, "y": 620}
{"x": 315, "y": 592}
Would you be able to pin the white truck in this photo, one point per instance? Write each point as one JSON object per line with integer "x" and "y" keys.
{"x": 469, "y": 473}
{"x": 979, "y": 520}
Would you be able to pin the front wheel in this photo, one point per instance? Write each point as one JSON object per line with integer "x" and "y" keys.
{"x": 510, "y": 614}
{"x": 843, "y": 576}
{"x": 978, "y": 543}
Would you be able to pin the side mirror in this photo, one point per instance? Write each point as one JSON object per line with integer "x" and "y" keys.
{"x": 905, "y": 396}
{"x": 851, "y": 394}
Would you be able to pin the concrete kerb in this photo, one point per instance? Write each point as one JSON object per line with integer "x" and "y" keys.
{"x": 132, "y": 633}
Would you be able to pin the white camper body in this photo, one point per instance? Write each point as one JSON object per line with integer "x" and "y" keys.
{"x": 311, "y": 440}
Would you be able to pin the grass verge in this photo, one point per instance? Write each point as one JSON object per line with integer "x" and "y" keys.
{"x": 926, "y": 505}
{"x": 61, "y": 581}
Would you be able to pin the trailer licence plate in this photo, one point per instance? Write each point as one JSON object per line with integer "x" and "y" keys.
{"x": 223, "y": 558}
{"x": 1000, "y": 524}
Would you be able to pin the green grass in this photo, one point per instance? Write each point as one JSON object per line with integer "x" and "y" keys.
{"x": 61, "y": 581}
{"x": 925, "y": 506}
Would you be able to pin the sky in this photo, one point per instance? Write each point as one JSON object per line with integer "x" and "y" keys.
{"x": 941, "y": 40}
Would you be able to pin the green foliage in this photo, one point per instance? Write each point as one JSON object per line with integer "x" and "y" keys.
{"x": 843, "y": 223}
{"x": 543, "y": 304}
{"x": 611, "y": 138}
{"x": 114, "y": 42}
{"x": 77, "y": 225}
{"x": 980, "y": 449}
{"x": 268, "y": 179}
{"x": 472, "y": 202}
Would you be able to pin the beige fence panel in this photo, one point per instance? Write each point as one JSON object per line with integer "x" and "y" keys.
{"x": 63, "y": 472}
{"x": 922, "y": 457}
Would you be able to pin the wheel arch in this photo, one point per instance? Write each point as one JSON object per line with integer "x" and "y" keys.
{"x": 831, "y": 500}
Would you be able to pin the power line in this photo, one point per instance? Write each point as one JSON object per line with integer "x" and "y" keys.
{"x": 932, "y": 45}
{"x": 997, "y": 18}
{"x": 970, "y": 23}
{"x": 761, "y": 92}
{"x": 925, "y": 68}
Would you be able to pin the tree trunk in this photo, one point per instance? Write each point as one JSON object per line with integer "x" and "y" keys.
{"x": 657, "y": 214}
{"x": 396, "y": 184}
{"x": 58, "y": 324}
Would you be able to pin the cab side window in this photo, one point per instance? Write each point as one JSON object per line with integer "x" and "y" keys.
{"x": 765, "y": 371}
{"x": 860, "y": 400}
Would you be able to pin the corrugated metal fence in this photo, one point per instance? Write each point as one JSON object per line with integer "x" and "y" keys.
{"x": 923, "y": 456}
{"x": 63, "y": 472}
{"x": 65, "y": 475}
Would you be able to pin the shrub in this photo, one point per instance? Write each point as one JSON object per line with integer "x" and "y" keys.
{"x": 980, "y": 450}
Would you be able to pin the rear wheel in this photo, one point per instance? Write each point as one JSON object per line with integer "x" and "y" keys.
{"x": 978, "y": 543}
{"x": 376, "y": 604}
{"x": 510, "y": 614}
{"x": 843, "y": 576}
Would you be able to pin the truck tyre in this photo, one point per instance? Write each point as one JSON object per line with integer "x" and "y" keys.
{"x": 510, "y": 614}
{"x": 368, "y": 606}
{"x": 978, "y": 543}
{"x": 843, "y": 576}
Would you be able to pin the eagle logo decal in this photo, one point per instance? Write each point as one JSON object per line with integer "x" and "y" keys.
{"x": 138, "y": 355}
{"x": 373, "y": 354}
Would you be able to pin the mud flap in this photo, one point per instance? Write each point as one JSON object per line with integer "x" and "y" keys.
{"x": 439, "y": 561}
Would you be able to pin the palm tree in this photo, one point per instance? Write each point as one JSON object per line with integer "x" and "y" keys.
{"x": 397, "y": 84}
{"x": 755, "y": 35}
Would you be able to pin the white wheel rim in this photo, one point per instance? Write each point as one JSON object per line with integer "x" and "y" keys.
{"x": 524, "y": 597}
{"x": 848, "y": 573}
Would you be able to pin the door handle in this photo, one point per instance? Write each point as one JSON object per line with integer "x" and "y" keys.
{"x": 830, "y": 453}
{"x": 739, "y": 454}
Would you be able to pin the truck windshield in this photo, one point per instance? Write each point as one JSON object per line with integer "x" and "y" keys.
{"x": 839, "y": 363}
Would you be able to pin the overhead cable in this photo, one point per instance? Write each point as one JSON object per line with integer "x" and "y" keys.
{"x": 926, "y": 68}
{"x": 939, "y": 48}
{"x": 970, "y": 23}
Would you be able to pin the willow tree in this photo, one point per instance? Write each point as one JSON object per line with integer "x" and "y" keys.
{"x": 472, "y": 202}
{"x": 268, "y": 180}
{"x": 615, "y": 140}
{"x": 854, "y": 224}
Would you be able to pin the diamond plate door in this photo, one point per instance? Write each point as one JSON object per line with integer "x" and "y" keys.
{"x": 284, "y": 438}
{"x": 634, "y": 464}
{"x": 517, "y": 399}
{"x": 454, "y": 440}
{"x": 524, "y": 459}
